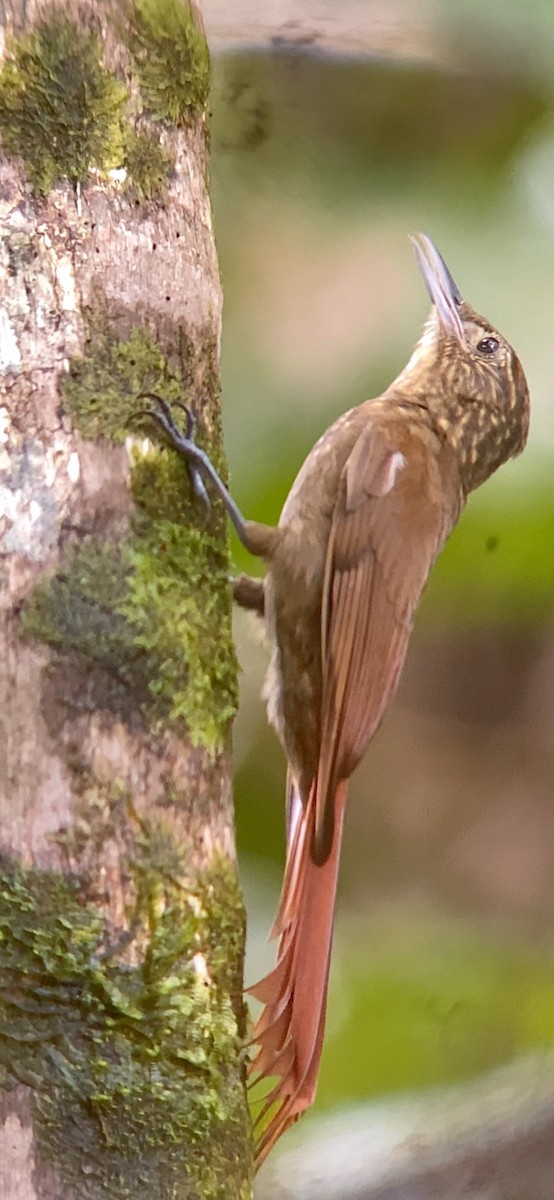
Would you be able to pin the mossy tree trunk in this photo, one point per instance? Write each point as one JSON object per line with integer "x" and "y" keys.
{"x": 121, "y": 1017}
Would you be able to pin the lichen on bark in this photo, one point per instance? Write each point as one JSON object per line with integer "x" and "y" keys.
{"x": 147, "y": 619}
{"x": 148, "y": 165}
{"x": 171, "y": 57}
{"x": 60, "y": 108}
{"x": 153, "y": 1048}
{"x": 121, "y": 920}
{"x": 66, "y": 114}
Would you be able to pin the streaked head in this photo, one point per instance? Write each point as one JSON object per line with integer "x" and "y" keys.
{"x": 469, "y": 372}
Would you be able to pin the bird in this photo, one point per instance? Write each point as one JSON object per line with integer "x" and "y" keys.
{"x": 368, "y": 513}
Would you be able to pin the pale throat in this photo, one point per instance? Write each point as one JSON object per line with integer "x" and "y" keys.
{"x": 474, "y": 431}
{"x": 424, "y": 353}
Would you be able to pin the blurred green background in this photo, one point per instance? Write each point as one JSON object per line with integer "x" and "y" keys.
{"x": 444, "y": 955}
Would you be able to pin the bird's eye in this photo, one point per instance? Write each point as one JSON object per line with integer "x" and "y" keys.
{"x": 488, "y": 345}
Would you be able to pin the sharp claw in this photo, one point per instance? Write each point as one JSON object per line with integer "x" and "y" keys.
{"x": 185, "y": 409}
{"x": 160, "y": 417}
{"x": 161, "y": 405}
{"x": 199, "y": 462}
{"x": 162, "y": 413}
{"x": 167, "y": 410}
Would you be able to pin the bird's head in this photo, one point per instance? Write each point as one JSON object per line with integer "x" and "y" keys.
{"x": 470, "y": 376}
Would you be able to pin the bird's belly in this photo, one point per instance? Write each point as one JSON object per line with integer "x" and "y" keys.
{"x": 293, "y": 685}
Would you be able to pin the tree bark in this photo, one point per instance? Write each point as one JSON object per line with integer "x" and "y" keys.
{"x": 121, "y": 920}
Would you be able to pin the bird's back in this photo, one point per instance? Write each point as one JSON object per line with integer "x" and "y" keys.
{"x": 394, "y": 528}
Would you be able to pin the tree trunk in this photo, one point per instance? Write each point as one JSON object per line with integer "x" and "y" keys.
{"x": 121, "y": 1013}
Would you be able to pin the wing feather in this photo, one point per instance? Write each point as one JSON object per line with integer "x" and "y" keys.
{"x": 377, "y": 563}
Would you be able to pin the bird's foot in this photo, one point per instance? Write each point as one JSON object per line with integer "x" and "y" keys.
{"x": 182, "y": 439}
{"x": 199, "y": 463}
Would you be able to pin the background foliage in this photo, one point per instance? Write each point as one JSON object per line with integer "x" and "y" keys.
{"x": 444, "y": 961}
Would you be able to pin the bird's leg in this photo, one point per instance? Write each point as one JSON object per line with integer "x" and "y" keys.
{"x": 257, "y": 538}
{"x": 249, "y": 593}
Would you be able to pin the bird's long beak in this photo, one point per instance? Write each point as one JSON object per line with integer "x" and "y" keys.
{"x": 444, "y": 293}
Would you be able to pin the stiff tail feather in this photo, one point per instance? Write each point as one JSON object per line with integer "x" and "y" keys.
{"x": 289, "y": 1032}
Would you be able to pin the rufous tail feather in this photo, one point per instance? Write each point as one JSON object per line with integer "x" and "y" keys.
{"x": 289, "y": 1032}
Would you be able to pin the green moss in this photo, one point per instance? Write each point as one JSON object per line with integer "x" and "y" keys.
{"x": 141, "y": 1060}
{"x": 75, "y": 608}
{"x": 222, "y": 900}
{"x": 101, "y": 387}
{"x": 60, "y": 109}
{"x": 178, "y": 605}
{"x": 77, "y": 611}
{"x": 143, "y": 626}
{"x": 148, "y": 165}
{"x": 172, "y": 58}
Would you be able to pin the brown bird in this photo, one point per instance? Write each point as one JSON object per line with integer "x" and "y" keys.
{"x": 365, "y": 519}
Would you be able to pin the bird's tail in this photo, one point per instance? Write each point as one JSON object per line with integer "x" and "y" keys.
{"x": 289, "y": 1032}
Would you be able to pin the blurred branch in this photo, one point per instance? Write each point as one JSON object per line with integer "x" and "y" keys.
{"x": 352, "y": 27}
{"x": 493, "y": 1139}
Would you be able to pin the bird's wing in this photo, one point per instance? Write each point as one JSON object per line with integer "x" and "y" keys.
{"x": 389, "y": 523}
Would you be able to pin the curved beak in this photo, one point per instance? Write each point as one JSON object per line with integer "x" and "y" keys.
{"x": 439, "y": 283}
